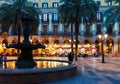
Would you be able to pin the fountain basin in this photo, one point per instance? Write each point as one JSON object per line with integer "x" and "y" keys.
{"x": 37, "y": 75}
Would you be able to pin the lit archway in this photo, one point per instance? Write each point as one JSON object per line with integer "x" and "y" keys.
{"x": 4, "y": 43}
{"x": 98, "y": 45}
{"x": 14, "y": 41}
{"x": 56, "y": 41}
{"x": 110, "y": 46}
{"x": 34, "y": 41}
{"x": 119, "y": 45}
{"x": 87, "y": 46}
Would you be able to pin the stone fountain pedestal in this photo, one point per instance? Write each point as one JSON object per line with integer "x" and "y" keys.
{"x": 25, "y": 60}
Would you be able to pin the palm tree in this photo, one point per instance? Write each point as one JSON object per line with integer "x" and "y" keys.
{"x": 12, "y": 15}
{"x": 66, "y": 16}
{"x": 25, "y": 19}
{"x": 80, "y": 11}
{"x": 112, "y": 14}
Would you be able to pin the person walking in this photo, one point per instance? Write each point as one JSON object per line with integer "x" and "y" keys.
{"x": 1, "y": 59}
{"x": 70, "y": 57}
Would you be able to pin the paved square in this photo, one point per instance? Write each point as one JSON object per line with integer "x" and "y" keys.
{"x": 92, "y": 71}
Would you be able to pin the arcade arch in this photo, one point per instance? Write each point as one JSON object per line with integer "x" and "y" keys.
{"x": 98, "y": 45}
{"x": 87, "y": 48}
{"x": 119, "y": 45}
{"x": 110, "y": 46}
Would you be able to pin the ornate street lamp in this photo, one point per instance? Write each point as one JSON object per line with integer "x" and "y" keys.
{"x": 102, "y": 38}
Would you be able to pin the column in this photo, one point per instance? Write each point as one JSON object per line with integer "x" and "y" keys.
{"x": 104, "y": 45}
{"x": 93, "y": 45}
{"x": 69, "y": 28}
{"x": 10, "y": 30}
{"x": 82, "y": 28}
{"x": 104, "y": 29}
{"x": 116, "y": 28}
{"x": 50, "y": 46}
{"x": 73, "y": 28}
{"x": 50, "y": 24}
{"x": 60, "y": 45}
{"x": 93, "y": 30}
{"x": 82, "y": 44}
{"x": 60, "y": 28}
{"x": 40, "y": 25}
{"x": 115, "y": 48}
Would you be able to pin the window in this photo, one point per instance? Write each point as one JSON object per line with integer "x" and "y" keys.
{"x": 110, "y": 3}
{"x": 99, "y": 26}
{"x": 55, "y": 29}
{"x": 35, "y": 5}
{"x": 45, "y": 17}
{"x": 44, "y": 29}
{"x": 99, "y": 3}
{"x": 99, "y": 16}
{"x": 44, "y": 5}
{"x": 87, "y": 29}
{"x": 55, "y": 17}
{"x": 55, "y": 4}
{"x": 109, "y": 29}
{"x": 65, "y": 29}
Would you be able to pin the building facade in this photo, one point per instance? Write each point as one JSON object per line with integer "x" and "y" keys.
{"x": 56, "y": 36}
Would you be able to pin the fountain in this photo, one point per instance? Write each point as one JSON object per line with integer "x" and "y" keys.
{"x": 26, "y": 71}
{"x": 25, "y": 60}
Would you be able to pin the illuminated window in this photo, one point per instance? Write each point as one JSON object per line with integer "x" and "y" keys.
{"x": 44, "y": 5}
{"x": 99, "y": 3}
{"x": 35, "y": 5}
{"x": 99, "y": 16}
{"x": 110, "y": 3}
{"x": 55, "y": 4}
{"x": 45, "y": 17}
{"x": 55, "y": 17}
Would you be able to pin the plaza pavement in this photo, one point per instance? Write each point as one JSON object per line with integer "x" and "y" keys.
{"x": 91, "y": 71}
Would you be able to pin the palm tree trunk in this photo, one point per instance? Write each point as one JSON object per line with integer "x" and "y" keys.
{"x": 18, "y": 39}
{"x": 19, "y": 33}
{"x": 19, "y": 30}
{"x": 76, "y": 38}
{"x": 72, "y": 40}
{"x": 76, "y": 33}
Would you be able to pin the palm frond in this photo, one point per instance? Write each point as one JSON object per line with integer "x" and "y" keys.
{"x": 15, "y": 12}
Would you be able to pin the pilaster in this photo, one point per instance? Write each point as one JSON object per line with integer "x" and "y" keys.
{"x": 116, "y": 28}
{"x": 93, "y": 29}
{"x": 50, "y": 30}
{"x": 60, "y": 28}
{"x": 40, "y": 25}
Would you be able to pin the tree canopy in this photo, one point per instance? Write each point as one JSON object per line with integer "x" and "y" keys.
{"x": 112, "y": 14}
{"x": 12, "y": 14}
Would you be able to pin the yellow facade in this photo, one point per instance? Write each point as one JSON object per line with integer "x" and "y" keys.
{"x": 112, "y": 43}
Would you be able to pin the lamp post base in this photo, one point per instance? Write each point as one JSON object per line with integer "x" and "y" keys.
{"x": 103, "y": 61}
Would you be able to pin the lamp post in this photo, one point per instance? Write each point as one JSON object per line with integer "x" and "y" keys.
{"x": 102, "y": 37}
